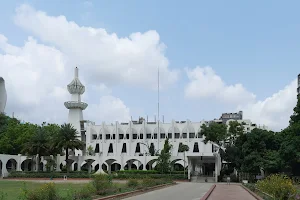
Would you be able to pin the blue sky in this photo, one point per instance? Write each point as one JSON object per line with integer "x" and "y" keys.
{"x": 255, "y": 44}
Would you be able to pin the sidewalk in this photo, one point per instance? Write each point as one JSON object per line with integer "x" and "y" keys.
{"x": 230, "y": 192}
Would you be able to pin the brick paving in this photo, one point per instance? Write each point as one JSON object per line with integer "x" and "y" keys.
{"x": 230, "y": 192}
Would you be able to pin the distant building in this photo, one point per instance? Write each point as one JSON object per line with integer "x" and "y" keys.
{"x": 298, "y": 88}
{"x": 235, "y": 116}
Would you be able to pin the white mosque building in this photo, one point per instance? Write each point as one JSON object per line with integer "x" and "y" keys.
{"x": 122, "y": 146}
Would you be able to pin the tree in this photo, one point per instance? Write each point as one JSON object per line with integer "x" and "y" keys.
{"x": 183, "y": 148}
{"x": 68, "y": 140}
{"x": 37, "y": 145}
{"x": 214, "y": 132}
{"x": 295, "y": 117}
{"x": 163, "y": 162}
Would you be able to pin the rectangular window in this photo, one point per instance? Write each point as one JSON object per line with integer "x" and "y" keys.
{"x": 100, "y": 136}
{"x": 127, "y": 136}
{"x": 107, "y": 136}
{"x": 148, "y": 136}
{"x": 170, "y": 135}
{"x": 155, "y": 135}
{"x": 162, "y": 136}
{"x": 177, "y": 135}
{"x": 141, "y": 136}
{"x": 94, "y": 137}
{"x": 121, "y": 136}
{"x": 134, "y": 136}
{"x": 184, "y": 135}
{"x": 192, "y": 135}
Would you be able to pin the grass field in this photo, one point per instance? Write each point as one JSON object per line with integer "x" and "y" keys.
{"x": 12, "y": 189}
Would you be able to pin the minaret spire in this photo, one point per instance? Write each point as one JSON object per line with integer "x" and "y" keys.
{"x": 76, "y": 72}
{"x": 76, "y": 106}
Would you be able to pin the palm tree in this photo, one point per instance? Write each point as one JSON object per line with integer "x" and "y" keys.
{"x": 183, "y": 148}
{"x": 68, "y": 139}
{"x": 37, "y": 145}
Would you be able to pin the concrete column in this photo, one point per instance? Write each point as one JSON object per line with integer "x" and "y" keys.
{"x": 18, "y": 167}
{"x": 189, "y": 168}
{"x": 58, "y": 163}
{"x": 216, "y": 168}
{"x": 109, "y": 168}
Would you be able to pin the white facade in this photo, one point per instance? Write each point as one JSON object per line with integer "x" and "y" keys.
{"x": 121, "y": 146}
{"x": 3, "y": 96}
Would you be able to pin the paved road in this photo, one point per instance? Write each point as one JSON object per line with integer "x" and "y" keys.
{"x": 232, "y": 192}
{"x": 181, "y": 191}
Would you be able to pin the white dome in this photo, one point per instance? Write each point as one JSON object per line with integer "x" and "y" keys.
{"x": 76, "y": 87}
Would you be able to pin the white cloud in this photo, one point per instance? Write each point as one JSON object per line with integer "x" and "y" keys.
{"x": 37, "y": 74}
{"x": 104, "y": 57}
{"x": 109, "y": 109}
{"x": 205, "y": 83}
{"x": 36, "y": 77}
{"x": 274, "y": 111}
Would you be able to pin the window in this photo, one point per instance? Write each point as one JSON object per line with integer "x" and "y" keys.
{"x": 155, "y": 136}
{"x": 134, "y": 136}
{"x": 121, "y": 136}
{"x": 170, "y": 135}
{"x": 124, "y": 150}
{"x": 184, "y": 135}
{"x": 192, "y": 135}
{"x": 138, "y": 148}
{"x": 107, "y": 136}
{"x": 162, "y": 135}
{"x": 127, "y": 136}
{"x": 196, "y": 147}
{"x": 200, "y": 134}
{"x": 94, "y": 136}
{"x": 97, "y": 148}
{"x": 177, "y": 135}
{"x": 114, "y": 136}
{"x": 110, "y": 149}
{"x": 148, "y": 136}
{"x": 141, "y": 136}
{"x": 100, "y": 136}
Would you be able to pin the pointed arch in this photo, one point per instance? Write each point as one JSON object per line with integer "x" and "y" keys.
{"x": 170, "y": 133}
{"x": 161, "y": 132}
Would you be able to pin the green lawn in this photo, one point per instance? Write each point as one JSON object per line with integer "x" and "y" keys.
{"x": 13, "y": 189}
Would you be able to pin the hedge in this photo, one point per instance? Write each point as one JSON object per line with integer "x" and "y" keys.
{"x": 131, "y": 174}
{"x": 48, "y": 175}
{"x": 146, "y": 172}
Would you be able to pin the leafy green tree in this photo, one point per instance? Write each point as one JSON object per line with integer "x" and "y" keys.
{"x": 214, "y": 132}
{"x": 163, "y": 162}
{"x": 68, "y": 140}
{"x": 37, "y": 145}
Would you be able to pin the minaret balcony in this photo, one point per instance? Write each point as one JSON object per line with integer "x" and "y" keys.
{"x": 75, "y": 104}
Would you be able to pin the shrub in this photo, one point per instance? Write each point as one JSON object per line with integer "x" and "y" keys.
{"x": 102, "y": 183}
{"x": 3, "y": 195}
{"x": 85, "y": 193}
{"x": 132, "y": 183}
{"x": 45, "y": 192}
{"x": 148, "y": 182}
{"x": 279, "y": 186}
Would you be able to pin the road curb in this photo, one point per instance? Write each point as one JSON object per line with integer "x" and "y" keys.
{"x": 207, "y": 194}
{"x": 252, "y": 193}
{"x": 132, "y": 193}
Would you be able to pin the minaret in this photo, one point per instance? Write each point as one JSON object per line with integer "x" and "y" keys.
{"x": 75, "y": 106}
{"x": 3, "y": 96}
